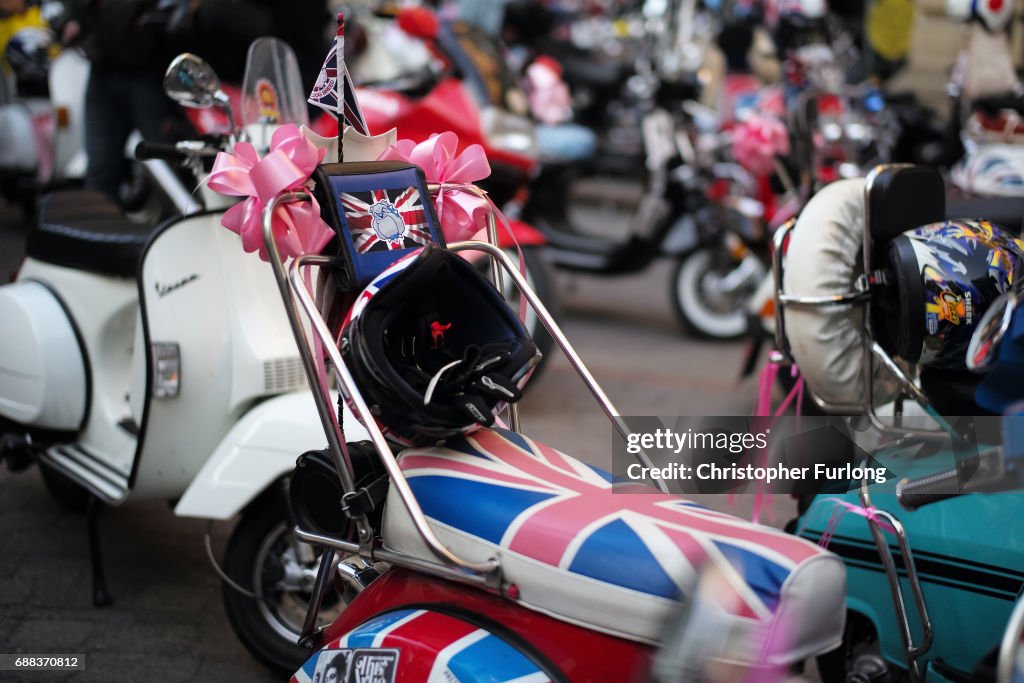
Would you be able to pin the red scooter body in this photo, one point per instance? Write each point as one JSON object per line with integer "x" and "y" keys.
{"x": 446, "y": 613}
{"x": 447, "y": 107}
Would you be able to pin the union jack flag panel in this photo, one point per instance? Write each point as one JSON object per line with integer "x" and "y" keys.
{"x": 383, "y": 213}
{"x": 386, "y": 220}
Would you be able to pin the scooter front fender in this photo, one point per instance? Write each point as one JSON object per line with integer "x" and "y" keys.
{"x": 418, "y": 646}
{"x": 260, "y": 448}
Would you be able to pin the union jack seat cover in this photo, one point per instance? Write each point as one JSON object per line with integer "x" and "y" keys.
{"x": 617, "y": 563}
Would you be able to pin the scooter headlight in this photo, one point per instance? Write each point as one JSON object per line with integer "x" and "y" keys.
{"x": 166, "y": 370}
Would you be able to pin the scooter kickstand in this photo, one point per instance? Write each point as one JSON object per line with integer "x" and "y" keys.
{"x": 100, "y": 594}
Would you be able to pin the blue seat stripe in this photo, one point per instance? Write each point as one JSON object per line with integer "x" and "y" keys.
{"x": 763, "y": 576}
{"x": 600, "y": 557}
{"x": 493, "y": 507}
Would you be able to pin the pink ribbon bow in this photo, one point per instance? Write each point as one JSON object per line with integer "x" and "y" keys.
{"x": 298, "y": 227}
{"x": 757, "y": 140}
{"x": 461, "y": 214}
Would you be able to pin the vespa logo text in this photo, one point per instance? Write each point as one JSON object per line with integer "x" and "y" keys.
{"x": 164, "y": 290}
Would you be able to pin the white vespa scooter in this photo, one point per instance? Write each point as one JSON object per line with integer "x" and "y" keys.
{"x": 140, "y": 363}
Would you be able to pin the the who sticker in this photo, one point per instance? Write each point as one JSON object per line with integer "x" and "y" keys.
{"x": 360, "y": 665}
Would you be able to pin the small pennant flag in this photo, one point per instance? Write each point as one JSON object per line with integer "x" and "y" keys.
{"x": 333, "y": 77}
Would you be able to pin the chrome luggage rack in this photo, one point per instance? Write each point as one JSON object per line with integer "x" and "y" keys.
{"x": 873, "y": 352}
{"x": 448, "y": 565}
{"x": 861, "y": 296}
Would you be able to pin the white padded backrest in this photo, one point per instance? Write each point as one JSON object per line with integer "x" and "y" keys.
{"x": 825, "y": 257}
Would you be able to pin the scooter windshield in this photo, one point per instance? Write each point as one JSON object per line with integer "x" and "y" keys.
{"x": 272, "y": 87}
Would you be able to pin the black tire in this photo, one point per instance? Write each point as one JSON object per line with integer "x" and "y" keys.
{"x": 702, "y": 311}
{"x": 269, "y": 628}
{"x": 540, "y": 277}
{"x": 135, "y": 189}
{"x": 68, "y": 494}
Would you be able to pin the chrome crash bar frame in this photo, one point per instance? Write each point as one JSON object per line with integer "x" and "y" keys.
{"x": 911, "y": 651}
{"x": 873, "y": 352}
{"x": 450, "y": 566}
{"x": 1010, "y": 646}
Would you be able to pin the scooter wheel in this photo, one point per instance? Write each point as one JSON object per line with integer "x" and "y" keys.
{"x": 706, "y": 302}
{"x": 262, "y": 557}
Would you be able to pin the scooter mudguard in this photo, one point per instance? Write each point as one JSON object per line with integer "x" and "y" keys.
{"x": 469, "y": 622}
{"x": 420, "y": 646}
{"x": 45, "y": 382}
{"x": 259, "y": 449}
{"x": 968, "y": 551}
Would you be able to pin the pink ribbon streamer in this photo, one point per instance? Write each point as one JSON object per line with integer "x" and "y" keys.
{"x": 763, "y": 408}
{"x": 840, "y": 510}
{"x": 298, "y": 227}
{"x": 462, "y": 214}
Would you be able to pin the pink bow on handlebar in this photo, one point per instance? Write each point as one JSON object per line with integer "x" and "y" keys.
{"x": 461, "y": 214}
{"x": 298, "y": 227}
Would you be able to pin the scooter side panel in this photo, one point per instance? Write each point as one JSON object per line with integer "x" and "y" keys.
{"x": 183, "y": 288}
{"x": 259, "y": 449}
{"x": 222, "y": 308}
{"x": 969, "y": 552}
{"x": 42, "y": 373}
{"x": 420, "y": 646}
{"x": 104, "y": 310}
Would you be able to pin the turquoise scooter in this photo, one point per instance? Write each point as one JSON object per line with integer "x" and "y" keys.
{"x": 933, "y": 574}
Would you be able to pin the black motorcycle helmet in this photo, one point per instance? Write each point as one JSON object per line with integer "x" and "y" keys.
{"x": 434, "y": 349}
{"x": 940, "y": 280}
{"x": 28, "y": 55}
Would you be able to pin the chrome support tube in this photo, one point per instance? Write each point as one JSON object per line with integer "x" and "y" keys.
{"x": 323, "y": 406}
{"x": 559, "y": 337}
{"x": 496, "y": 274}
{"x": 915, "y": 393}
{"x": 1010, "y": 645}
{"x": 323, "y": 579}
{"x": 501, "y": 258}
{"x": 347, "y": 387}
{"x": 912, "y": 651}
{"x": 778, "y": 268}
{"x": 399, "y": 560}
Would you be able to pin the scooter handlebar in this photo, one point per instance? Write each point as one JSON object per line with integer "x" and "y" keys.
{"x": 167, "y": 151}
{"x": 986, "y": 472}
{"x": 915, "y": 493}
